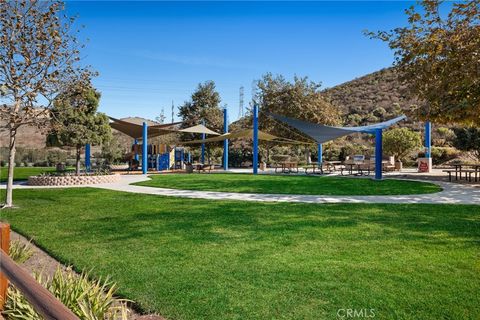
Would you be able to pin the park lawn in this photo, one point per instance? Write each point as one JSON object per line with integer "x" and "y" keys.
{"x": 203, "y": 259}
{"x": 22, "y": 173}
{"x": 282, "y": 184}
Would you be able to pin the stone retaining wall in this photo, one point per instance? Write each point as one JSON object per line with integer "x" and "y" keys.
{"x": 119, "y": 167}
{"x": 71, "y": 180}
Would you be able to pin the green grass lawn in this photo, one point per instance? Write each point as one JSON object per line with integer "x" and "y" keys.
{"x": 22, "y": 173}
{"x": 282, "y": 184}
{"x": 201, "y": 259}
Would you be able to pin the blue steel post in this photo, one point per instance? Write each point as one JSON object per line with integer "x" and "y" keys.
{"x": 225, "y": 142}
{"x": 203, "y": 146}
{"x": 428, "y": 139}
{"x": 255, "y": 139}
{"x": 135, "y": 142}
{"x": 144, "y": 148}
{"x": 320, "y": 154}
{"x": 378, "y": 154}
{"x": 87, "y": 157}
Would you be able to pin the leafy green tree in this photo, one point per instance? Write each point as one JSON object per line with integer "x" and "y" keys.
{"x": 400, "y": 142}
{"x": 76, "y": 121}
{"x": 38, "y": 50}
{"x": 437, "y": 57}
{"x": 204, "y": 105}
{"x": 300, "y": 99}
{"x": 112, "y": 150}
{"x": 468, "y": 139}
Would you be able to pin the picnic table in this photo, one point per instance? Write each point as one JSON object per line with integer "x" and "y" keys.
{"x": 331, "y": 165}
{"x": 349, "y": 167}
{"x": 316, "y": 168}
{"x": 362, "y": 167}
{"x": 459, "y": 168}
{"x": 287, "y": 167}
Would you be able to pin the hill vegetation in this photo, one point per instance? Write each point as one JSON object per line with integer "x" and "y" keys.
{"x": 375, "y": 97}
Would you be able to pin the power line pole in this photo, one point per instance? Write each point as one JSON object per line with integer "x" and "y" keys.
{"x": 240, "y": 107}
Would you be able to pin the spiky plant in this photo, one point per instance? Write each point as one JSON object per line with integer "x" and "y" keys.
{"x": 88, "y": 299}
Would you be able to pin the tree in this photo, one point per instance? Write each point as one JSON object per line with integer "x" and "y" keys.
{"x": 76, "y": 122}
{"x": 161, "y": 117}
{"x": 400, "y": 142}
{"x": 300, "y": 99}
{"x": 112, "y": 151}
{"x": 38, "y": 51}
{"x": 468, "y": 139}
{"x": 204, "y": 105}
{"x": 438, "y": 59}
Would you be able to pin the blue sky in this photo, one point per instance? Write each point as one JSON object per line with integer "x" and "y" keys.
{"x": 150, "y": 53}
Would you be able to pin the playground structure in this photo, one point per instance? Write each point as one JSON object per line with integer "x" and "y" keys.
{"x": 162, "y": 157}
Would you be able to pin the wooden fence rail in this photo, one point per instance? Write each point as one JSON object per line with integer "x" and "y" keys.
{"x": 40, "y": 298}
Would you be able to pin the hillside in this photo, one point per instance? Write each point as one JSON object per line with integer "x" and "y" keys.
{"x": 371, "y": 98}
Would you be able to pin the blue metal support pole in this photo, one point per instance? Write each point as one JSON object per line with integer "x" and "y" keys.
{"x": 87, "y": 157}
{"x": 203, "y": 146}
{"x": 225, "y": 142}
{"x": 255, "y": 139}
{"x": 378, "y": 154}
{"x": 135, "y": 142}
{"x": 320, "y": 154}
{"x": 144, "y": 148}
{"x": 428, "y": 139}
{"x": 189, "y": 157}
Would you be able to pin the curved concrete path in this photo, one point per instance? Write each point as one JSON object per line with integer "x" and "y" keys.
{"x": 452, "y": 193}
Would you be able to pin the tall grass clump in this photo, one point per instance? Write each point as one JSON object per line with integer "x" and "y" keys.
{"x": 19, "y": 251}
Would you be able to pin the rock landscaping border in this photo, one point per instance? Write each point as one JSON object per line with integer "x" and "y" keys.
{"x": 72, "y": 180}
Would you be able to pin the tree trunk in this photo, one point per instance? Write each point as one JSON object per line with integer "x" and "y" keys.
{"x": 77, "y": 163}
{"x": 11, "y": 165}
{"x": 267, "y": 161}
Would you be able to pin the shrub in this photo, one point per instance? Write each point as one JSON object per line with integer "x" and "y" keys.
{"x": 443, "y": 154}
{"x": 41, "y": 164}
{"x": 468, "y": 139}
{"x": 19, "y": 251}
{"x": 401, "y": 142}
{"x": 89, "y": 300}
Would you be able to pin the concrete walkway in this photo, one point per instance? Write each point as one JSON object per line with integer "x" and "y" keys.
{"x": 452, "y": 193}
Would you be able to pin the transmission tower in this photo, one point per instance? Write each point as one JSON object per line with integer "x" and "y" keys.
{"x": 240, "y": 107}
{"x": 254, "y": 87}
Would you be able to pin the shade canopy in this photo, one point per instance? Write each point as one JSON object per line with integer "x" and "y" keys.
{"x": 133, "y": 127}
{"x": 244, "y": 133}
{"x": 321, "y": 133}
{"x": 200, "y": 128}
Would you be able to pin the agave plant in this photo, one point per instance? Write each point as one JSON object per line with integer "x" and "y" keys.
{"x": 89, "y": 300}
